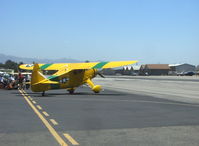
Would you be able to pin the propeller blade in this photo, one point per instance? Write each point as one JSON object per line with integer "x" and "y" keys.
{"x": 101, "y": 75}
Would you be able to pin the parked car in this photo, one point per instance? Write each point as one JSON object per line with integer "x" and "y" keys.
{"x": 189, "y": 73}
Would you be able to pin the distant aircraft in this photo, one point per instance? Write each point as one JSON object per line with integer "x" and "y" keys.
{"x": 69, "y": 75}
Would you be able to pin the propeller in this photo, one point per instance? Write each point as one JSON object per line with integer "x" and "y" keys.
{"x": 100, "y": 74}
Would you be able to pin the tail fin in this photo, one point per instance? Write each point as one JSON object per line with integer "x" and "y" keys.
{"x": 37, "y": 76}
{"x": 39, "y": 82}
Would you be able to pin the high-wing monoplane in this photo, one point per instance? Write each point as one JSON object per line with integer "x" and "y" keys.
{"x": 69, "y": 75}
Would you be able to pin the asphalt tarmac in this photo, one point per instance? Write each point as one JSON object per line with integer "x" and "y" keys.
{"x": 109, "y": 118}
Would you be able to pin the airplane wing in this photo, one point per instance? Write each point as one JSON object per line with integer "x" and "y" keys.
{"x": 49, "y": 66}
{"x": 100, "y": 65}
{"x": 73, "y": 66}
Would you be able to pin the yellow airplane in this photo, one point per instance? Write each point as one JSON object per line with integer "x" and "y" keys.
{"x": 69, "y": 75}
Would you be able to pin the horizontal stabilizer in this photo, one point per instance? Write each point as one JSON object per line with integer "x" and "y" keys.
{"x": 46, "y": 81}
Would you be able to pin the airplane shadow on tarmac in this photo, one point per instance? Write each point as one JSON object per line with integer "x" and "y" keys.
{"x": 77, "y": 94}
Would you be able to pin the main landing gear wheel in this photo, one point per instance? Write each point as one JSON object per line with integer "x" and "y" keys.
{"x": 71, "y": 91}
{"x": 43, "y": 93}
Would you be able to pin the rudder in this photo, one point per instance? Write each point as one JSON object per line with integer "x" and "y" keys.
{"x": 37, "y": 76}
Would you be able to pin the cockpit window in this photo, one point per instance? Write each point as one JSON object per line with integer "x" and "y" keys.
{"x": 63, "y": 80}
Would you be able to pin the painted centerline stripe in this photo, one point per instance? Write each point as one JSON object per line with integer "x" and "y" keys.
{"x": 39, "y": 107}
{"x": 74, "y": 142}
{"x": 46, "y": 123}
{"x": 45, "y": 113}
{"x": 30, "y": 98}
{"x": 53, "y": 121}
{"x": 34, "y": 102}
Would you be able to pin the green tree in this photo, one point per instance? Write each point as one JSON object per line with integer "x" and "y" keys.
{"x": 11, "y": 65}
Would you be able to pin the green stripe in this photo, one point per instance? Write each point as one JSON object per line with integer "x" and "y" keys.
{"x": 53, "y": 78}
{"x": 99, "y": 65}
{"x": 43, "y": 67}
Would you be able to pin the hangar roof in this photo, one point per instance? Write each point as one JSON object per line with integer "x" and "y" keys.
{"x": 157, "y": 66}
{"x": 171, "y": 65}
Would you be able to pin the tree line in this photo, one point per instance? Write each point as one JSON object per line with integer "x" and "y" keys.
{"x": 9, "y": 64}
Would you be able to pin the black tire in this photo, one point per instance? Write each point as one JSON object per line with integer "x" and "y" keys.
{"x": 71, "y": 91}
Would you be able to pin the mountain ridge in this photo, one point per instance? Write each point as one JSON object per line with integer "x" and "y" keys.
{"x": 4, "y": 58}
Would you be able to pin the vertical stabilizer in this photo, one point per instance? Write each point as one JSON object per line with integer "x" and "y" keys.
{"x": 37, "y": 76}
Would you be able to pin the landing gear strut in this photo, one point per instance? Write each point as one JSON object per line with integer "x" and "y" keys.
{"x": 43, "y": 93}
{"x": 95, "y": 88}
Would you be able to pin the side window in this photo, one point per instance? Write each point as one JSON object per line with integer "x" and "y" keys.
{"x": 64, "y": 80}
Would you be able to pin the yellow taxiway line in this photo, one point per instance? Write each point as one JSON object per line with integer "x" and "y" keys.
{"x": 74, "y": 142}
{"x": 39, "y": 107}
{"x": 30, "y": 98}
{"x": 46, "y": 123}
{"x": 45, "y": 113}
{"x": 34, "y": 102}
{"x": 53, "y": 121}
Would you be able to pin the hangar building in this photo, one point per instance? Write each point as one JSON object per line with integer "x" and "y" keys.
{"x": 131, "y": 70}
{"x": 181, "y": 68}
{"x": 154, "y": 69}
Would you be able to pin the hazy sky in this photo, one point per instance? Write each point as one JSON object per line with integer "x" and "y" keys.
{"x": 161, "y": 31}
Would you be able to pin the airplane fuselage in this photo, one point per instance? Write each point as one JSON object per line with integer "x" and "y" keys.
{"x": 69, "y": 80}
